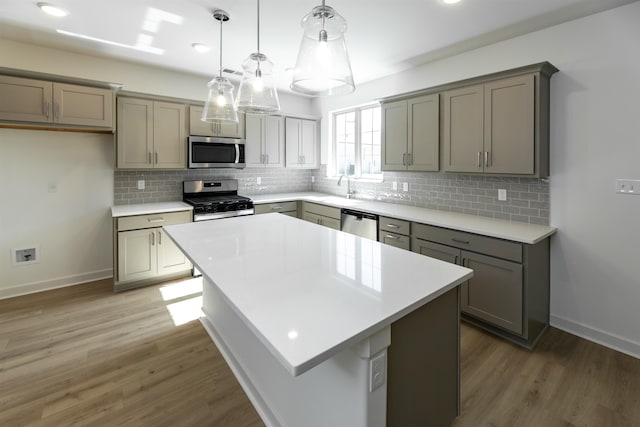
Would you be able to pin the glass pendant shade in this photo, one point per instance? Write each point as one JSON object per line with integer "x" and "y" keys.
{"x": 323, "y": 66}
{"x": 257, "y": 93}
{"x": 220, "y": 105}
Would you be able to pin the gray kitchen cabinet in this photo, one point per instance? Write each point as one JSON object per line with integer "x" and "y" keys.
{"x": 319, "y": 214}
{"x": 411, "y": 134}
{"x": 285, "y": 208}
{"x": 151, "y": 134}
{"x": 301, "y": 143}
{"x": 498, "y": 127}
{"x": 394, "y": 232}
{"x": 45, "y": 102}
{"x": 224, "y": 130}
{"x": 264, "y": 141}
{"x": 144, "y": 253}
{"x": 509, "y": 291}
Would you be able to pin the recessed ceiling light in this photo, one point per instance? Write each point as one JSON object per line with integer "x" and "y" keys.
{"x": 52, "y": 10}
{"x": 200, "y": 47}
{"x": 451, "y": 1}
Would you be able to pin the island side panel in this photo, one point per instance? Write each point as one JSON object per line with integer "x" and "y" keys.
{"x": 423, "y": 385}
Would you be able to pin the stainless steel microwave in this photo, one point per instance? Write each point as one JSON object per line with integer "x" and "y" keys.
{"x": 215, "y": 152}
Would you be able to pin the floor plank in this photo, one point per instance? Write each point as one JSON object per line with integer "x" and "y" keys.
{"x": 86, "y": 356}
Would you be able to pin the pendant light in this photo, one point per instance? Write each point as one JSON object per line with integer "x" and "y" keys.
{"x": 323, "y": 65}
{"x": 220, "y": 105}
{"x": 257, "y": 93}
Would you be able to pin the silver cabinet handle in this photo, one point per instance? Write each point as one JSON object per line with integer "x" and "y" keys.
{"x": 466, "y": 242}
{"x": 156, "y": 153}
{"x": 267, "y": 156}
{"x": 455, "y": 259}
{"x": 389, "y": 236}
{"x": 479, "y": 154}
{"x": 159, "y": 237}
{"x": 152, "y": 236}
{"x": 486, "y": 158}
{"x": 150, "y": 161}
{"x": 151, "y": 221}
{"x": 46, "y": 109}
{"x": 56, "y": 110}
{"x": 276, "y": 208}
{"x": 409, "y": 159}
{"x": 393, "y": 226}
{"x": 404, "y": 159}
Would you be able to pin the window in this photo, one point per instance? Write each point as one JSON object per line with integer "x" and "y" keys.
{"x": 356, "y": 142}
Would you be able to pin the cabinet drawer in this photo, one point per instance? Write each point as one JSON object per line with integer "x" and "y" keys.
{"x": 472, "y": 242}
{"x": 276, "y": 207}
{"x": 321, "y": 210}
{"x": 153, "y": 220}
{"x": 394, "y": 225}
{"x": 393, "y": 239}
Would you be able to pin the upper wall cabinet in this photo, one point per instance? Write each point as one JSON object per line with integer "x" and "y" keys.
{"x": 45, "y": 102}
{"x": 265, "y": 141}
{"x": 301, "y": 138}
{"x": 410, "y": 134}
{"x": 151, "y": 134}
{"x": 499, "y": 127}
{"x": 226, "y": 130}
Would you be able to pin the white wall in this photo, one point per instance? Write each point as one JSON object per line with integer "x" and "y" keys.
{"x": 595, "y": 138}
{"x": 73, "y": 225}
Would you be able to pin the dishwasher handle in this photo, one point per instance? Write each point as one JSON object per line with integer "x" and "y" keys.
{"x": 359, "y": 215}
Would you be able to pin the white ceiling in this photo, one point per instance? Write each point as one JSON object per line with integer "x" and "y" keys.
{"x": 382, "y": 37}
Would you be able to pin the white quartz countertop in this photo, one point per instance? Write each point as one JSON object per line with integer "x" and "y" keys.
{"x": 508, "y": 230}
{"x": 308, "y": 291}
{"x": 148, "y": 208}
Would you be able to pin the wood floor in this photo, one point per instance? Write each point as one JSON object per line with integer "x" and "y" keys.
{"x": 85, "y": 356}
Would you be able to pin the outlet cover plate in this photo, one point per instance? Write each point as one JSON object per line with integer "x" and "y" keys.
{"x": 628, "y": 186}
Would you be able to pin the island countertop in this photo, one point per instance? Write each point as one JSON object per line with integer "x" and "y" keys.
{"x": 306, "y": 291}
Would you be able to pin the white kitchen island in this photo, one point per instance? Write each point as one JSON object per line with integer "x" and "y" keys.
{"x": 323, "y": 328}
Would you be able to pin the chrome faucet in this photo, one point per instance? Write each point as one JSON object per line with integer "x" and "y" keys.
{"x": 349, "y": 192}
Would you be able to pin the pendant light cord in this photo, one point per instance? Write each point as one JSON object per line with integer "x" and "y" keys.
{"x": 221, "y": 21}
{"x": 258, "y": 19}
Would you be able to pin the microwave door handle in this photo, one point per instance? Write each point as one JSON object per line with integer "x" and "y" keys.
{"x": 237, "y": 153}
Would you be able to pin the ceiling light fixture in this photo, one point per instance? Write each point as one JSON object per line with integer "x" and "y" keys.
{"x": 451, "y": 1}
{"x": 51, "y": 9}
{"x": 257, "y": 93}
{"x": 220, "y": 105}
{"x": 323, "y": 66}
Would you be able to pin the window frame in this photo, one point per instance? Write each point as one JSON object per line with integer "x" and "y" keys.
{"x": 357, "y": 141}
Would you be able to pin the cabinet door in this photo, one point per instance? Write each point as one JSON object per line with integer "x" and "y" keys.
{"x": 394, "y": 136}
{"x": 309, "y": 143}
{"x": 494, "y": 293}
{"x": 137, "y": 258}
{"x": 197, "y": 126}
{"x": 311, "y": 217}
{"x": 274, "y": 141}
{"x": 169, "y": 135}
{"x": 25, "y": 100}
{"x": 509, "y": 125}
{"x": 230, "y": 129}
{"x": 81, "y": 105}
{"x": 293, "y": 156}
{"x": 393, "y": 239}
{"x": 134, "y": 133}
{"x": 330, "y": 222}
{"x": 254, "y": 130}
{"x": 463, "y": 133}
{"x": 170, "y": 257}
{"x": 423, "y": 140}
{"x": 435, "y": 250}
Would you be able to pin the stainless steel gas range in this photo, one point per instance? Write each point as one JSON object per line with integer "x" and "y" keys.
{"x": 215, "y": 199}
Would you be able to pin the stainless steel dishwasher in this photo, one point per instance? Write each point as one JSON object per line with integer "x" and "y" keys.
{"x": 359, "y": 223}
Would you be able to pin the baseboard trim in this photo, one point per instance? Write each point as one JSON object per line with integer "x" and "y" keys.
{"x": 60, "y": 282}
{"x": 598, "y": 336}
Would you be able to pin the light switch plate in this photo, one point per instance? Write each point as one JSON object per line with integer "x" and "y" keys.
{"x": 502, "y": 194}
{"x": 628, "y": 186}
{"x": 378, "y": 371}
{"x": 141, "y": 184}
{"x": 405, "y": 186}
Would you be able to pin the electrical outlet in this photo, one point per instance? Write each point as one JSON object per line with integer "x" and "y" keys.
{"x": 258, "y": 180}
{"x": 377, "y": 371}
{"x": 24, "y": 256}
{"x": 141, "y": 184}
{"x": 502, "y": 194}
{"x": 628, "y": 186}
{"x": 405, "y": 186}
{"x": 313, "y": 179}
{"x": 394, "y": 185}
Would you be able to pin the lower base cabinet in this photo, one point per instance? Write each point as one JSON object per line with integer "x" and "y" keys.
{"x": 144, "y": 253}
{"x": 320, "y": 214}
{"x": 509, "y": 291}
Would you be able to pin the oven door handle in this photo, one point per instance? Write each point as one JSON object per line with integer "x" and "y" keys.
{"x": 237, "y": 153}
